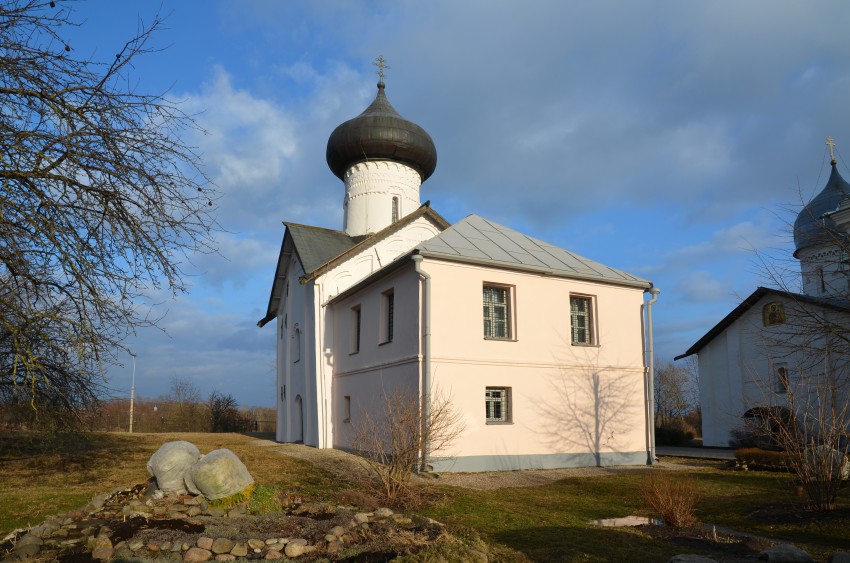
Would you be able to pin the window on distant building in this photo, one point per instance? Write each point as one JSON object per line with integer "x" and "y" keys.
{"x": 395, "y": 209}
{"x": 581, "y": 320}
{"x": 497, "y": 403}
{"x": 355, "y": 329}
{"x": 497, "y": 312}
{"x": 782, "y": 378}
{"x": 387, "y": 315}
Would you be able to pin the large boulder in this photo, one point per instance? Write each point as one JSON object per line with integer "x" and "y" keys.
{"x": 218, "y": 474}
{"x": 170, "y": 463}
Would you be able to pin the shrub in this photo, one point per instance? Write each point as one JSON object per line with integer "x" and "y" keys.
{"x": 672, "y": 500}
{"x": 676, "y": 432}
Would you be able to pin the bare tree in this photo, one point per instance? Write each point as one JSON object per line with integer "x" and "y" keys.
{"x": 100, "y": 200}
{"x": 676, "y": 393}
{"x": 224, "y": 414}
{"x": 394, "y": 434}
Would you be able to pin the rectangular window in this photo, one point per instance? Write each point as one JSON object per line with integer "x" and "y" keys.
{"x": 355, "y": 329}
{"x": 581, "y": 320}
{"x": 347, "y": 406}
{"x": 387, "y": 316}
{"x": 782, "y": 378}
{"x": 497, "y": 403}
{"x": 497, "y": 312}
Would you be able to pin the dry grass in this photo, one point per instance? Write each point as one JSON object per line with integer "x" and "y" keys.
{"x": 44, "y": 476}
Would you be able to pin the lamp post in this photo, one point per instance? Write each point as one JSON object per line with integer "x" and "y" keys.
{"x": 132, "y": 390}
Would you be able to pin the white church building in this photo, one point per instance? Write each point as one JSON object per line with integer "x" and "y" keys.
{"x": 780, "y": 349}
{"x": 541, "y": 350}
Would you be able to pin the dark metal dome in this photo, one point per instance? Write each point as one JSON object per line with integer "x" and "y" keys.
{"x": 812, "y": 227}
{"x": 381, "y": 133}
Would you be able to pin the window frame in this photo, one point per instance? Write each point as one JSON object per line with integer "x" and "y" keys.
{"x": 782, "y": 379}
{"x": 510, "y": 311}
{"x": 591, "y": 316}
{"x": 296, "y": 336}
{"x": 504, "y": 401}
{"x": 347, "y": 407}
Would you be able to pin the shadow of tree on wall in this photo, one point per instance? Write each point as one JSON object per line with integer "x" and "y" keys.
{"x": 591, "y": 410}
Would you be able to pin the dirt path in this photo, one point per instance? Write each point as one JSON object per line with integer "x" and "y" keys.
{"x": 346, "y": 466}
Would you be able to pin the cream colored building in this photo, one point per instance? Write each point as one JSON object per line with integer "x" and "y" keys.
{"x": 541, "y": 350}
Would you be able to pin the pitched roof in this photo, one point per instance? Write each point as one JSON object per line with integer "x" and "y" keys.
{"x": 316, "y": 246}
{"x": 320, "y": 249}
{"x": 748, "y": 304}
{"x": 478, "y": 240}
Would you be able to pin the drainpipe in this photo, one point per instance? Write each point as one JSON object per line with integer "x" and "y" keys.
{"x": 426, "y": 358}
{"x": 651, "y": 373}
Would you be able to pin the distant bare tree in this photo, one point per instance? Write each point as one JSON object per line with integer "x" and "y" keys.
{"x": 100, "y": 200}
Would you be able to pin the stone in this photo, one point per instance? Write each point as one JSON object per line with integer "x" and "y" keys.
{"x": 219, "y": 474}
{"x": 361, "y": 517}
{"x": 28, "y": 550}
{"x": 166, "y": 546}
{"x": 135, "y": 545}
{"x": 330, "y": 538}
{"x": 29, "y": 539}
{"x": 254, "y": 543}
{"x": 153, "y": 547}
{"x": 337, "y": 531}
{"x": 272, "y": 554}
{"x": 402, "y": 521}
{"x": 334, "y": 546}
{"x": 216, "y": 512}
{"x": 170, "y": 462}
{"x": 197, "y": 554}
{"x": 690, "y": 558}
{"x": 271, "y": 541}
{"x": 384, "y": 512}
{"x": 222, "y": 545}
{"x": 225, "y": 557}
{"x": 239, "y": 550}
{"x": 297, "y": 548}
{"x": 785, "y": 553}
{"x": 194, "y": 511}
{"x": 102, "y": 553}
{"x": 205, "y": 542}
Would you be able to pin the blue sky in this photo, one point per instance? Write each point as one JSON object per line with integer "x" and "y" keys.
{"x": 673, "y": 140}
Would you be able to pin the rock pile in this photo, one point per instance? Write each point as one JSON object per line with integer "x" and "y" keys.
{"x": 132, "y": 524}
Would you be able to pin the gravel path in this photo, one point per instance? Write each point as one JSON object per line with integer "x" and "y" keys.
{"x": 345, "y": 466}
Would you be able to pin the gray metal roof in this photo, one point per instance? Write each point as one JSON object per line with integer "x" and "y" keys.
{"x": 478, "y": 240}
{"x": 317, "y": 246}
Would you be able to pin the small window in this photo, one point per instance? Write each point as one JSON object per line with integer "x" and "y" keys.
{"x": 497, "y": 312}
{"x": 387, "y": 316}
{"x": 395, "y": 209}
{"x": 355, "y": 329}
{"x": 782, "y": 378}
{"x": 296, "y": 338}
{"x": 581, "y": 320}
{"x": 347, "y": 407}
{"x": 497, "y": 404}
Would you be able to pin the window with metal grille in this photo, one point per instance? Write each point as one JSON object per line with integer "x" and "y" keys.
{"x": 496, "y": 402}
{"x": 497, "y": 312}
{"x": 581, "y": 319}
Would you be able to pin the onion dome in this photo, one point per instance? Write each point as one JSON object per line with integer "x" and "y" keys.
{"x": 813, "y": 225}
{"x": 380, "y": 133}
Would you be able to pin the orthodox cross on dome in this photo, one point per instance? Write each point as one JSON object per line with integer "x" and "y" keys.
{"x": 831, "y": 144}
{"x": 381, "y": 63}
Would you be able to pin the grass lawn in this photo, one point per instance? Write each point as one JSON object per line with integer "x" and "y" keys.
{"x": 543, "y": 523}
